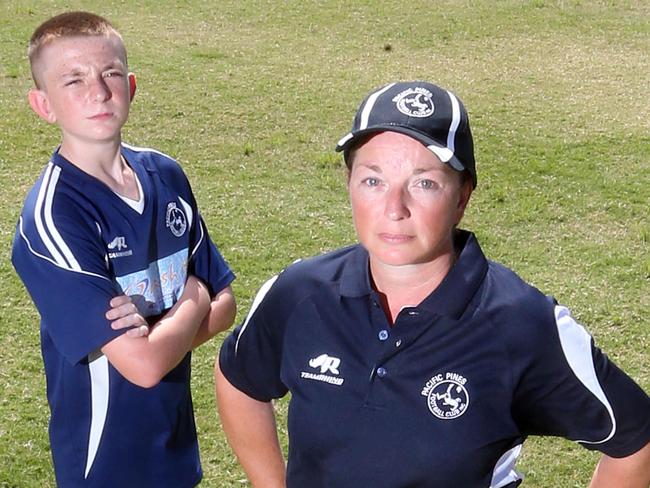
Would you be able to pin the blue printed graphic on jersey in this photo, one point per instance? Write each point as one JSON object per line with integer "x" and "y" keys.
{"x": 158, "y": 287}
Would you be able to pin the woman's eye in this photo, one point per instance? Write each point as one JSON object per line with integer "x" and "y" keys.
{"x": 71, "y": 82}
{"x": 371, "y": 181}
{"x": 112, "y": 74}
{"x": 426, "y": 184}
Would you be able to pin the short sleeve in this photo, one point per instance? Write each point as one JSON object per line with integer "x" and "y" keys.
{"x": 65, "y": 273}
{"x": 206, "y": 262}
{"x": 251, "y": 356}
{"x": 571, "y": 389}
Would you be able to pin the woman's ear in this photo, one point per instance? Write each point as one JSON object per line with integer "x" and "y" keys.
{"x": 40, "y": 104}
{"x": 132, "y": 85}
{"x": 464, "y": 193}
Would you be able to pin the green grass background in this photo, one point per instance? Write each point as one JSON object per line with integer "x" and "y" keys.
{"x": 251, "y": 97}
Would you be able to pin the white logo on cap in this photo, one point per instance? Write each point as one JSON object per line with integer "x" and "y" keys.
{"x": 415, "y": 102}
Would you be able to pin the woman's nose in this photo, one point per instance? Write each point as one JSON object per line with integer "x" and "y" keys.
{"x": 397, "y": 204}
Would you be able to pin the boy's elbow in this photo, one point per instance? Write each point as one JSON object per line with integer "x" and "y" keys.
{"x": 138, "y": 363}
{"x": 224, "y": 310}
{"x": 144, "y": 379}
{"x": 148, "y": 384}
{"x": 142, "y": 373}
{"x": 231, "y": 312}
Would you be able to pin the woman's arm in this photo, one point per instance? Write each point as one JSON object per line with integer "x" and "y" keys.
{"x": 628, "y": 472}
{"x": 251, "y": 432}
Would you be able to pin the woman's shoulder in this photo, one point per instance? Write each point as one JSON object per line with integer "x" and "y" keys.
{"x": 514, "y": 302}
{"x": 304, "y": 279}
{"x": 326, "y": 266}
{"x": 509, "y": 284}
{"x": 306, "y": 275}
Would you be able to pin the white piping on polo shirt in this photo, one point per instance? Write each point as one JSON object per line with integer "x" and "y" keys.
{"x": 504, "y": 472}
{"x": 256, "y": 303}
{"x": 576, "y": 345}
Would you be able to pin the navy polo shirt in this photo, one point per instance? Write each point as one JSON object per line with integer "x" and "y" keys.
{"x": 446, "y": 396}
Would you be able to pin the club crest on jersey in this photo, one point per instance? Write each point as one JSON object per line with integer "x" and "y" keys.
{"x": 176, "y": 220}
{"x": 415, "y": 102}
{"x": 447, "y": 396}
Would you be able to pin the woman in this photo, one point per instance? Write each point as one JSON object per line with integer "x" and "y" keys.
{"x": 411, "y": 359}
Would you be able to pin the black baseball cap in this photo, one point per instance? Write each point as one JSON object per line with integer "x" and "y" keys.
{"x": 424, "y": 111}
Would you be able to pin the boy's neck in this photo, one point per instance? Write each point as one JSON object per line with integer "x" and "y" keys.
{"x": 104, "y": 162}
{"x": 92, "y": 158}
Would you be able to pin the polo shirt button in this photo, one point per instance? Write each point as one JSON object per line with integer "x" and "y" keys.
{"x": 383, "y": 335}
{"x": 398, "y": 343}
{"x": 381, "y": 372}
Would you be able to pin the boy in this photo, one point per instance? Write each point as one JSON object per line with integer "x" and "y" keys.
{"x": 110, "y": 240}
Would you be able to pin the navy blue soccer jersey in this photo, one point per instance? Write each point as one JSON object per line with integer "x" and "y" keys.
{"x": 445, "y": 397}
{"x": 77, "y": 245}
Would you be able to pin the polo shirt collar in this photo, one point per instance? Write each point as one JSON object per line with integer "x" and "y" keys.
{"x": 453, "y": 294}
{"x": 458, "y": 288}
{"x": 355, "y": 277}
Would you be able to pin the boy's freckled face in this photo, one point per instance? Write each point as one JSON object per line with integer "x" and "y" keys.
{"x": 85, "y": 81}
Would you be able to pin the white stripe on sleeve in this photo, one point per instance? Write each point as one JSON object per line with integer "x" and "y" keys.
{"x": 256, "y": 303}
{"x": 74, "y": 264}
{"x": 38, "y": 218}
{"x": 576, "y": 345}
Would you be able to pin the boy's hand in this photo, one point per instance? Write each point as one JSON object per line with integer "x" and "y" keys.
{"x": 124, "y": 313}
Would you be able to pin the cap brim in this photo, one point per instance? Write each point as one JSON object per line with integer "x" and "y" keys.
{"x": 440, "y": 150}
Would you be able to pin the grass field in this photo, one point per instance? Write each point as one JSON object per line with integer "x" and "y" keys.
{"x": 251, "y": 97}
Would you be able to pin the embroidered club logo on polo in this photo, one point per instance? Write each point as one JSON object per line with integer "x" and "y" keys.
{"x": 415, "y": 102}
{"x": 447, "y": 397}
{"x": 325, "y": 364}
{"x": 175, "y": 219}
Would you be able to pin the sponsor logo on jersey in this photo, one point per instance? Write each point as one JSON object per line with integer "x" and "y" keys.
{"x": 158, "y": 287}
{"x": 175, "y": 219}
{"x": 117, "y": 246}
{"x": 415, "y": 102}
{"x": 324, "y": 364}
{"x": 447, "y": 396}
